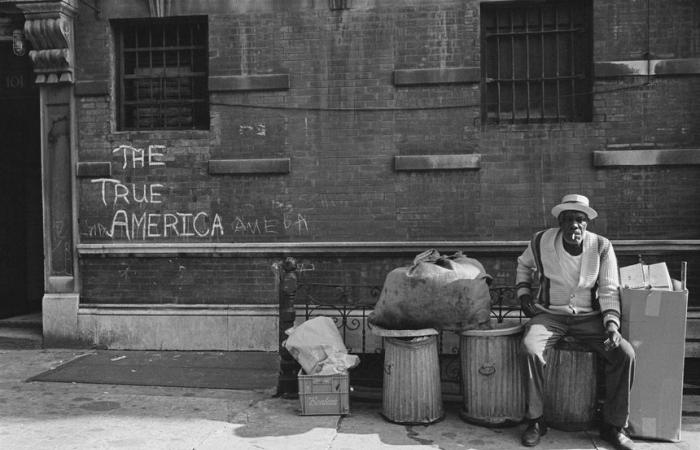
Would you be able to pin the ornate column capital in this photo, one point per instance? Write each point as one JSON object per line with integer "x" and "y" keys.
{"x": 49, "y": 27}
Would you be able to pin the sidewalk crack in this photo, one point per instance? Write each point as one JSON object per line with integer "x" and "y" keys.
{"x": 338, "y": 424}
{"x": 413, "y": 435}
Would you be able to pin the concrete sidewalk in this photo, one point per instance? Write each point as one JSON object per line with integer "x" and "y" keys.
{"x": 37, "y": 415}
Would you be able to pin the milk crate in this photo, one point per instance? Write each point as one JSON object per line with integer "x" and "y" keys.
{"x": 324, "y": 394}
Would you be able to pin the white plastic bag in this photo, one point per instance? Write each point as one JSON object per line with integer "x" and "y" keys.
{"x": 338, "y": 363}
{"x": 316, "y": 344}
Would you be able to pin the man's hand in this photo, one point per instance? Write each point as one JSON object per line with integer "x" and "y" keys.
{"x": 527, "y": 306}
{"x": 614, "y": 336}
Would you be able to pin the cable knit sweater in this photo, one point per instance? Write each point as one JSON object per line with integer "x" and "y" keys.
{"x": 598, "y": 264}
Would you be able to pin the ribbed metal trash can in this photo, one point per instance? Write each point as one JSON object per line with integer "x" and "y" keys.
{"x": 570, "y": 380}
{"x": 492, "y": 383}
{"x": 411, "y": 393}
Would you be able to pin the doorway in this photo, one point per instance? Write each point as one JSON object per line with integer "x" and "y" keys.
{"x": 21, "y": 230}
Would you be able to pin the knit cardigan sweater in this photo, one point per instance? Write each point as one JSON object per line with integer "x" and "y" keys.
{"x": 598, "y": 264}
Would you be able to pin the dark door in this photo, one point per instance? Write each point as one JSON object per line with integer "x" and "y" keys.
{"x": 21, "y": 231}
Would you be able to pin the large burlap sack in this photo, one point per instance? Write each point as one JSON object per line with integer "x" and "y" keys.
{"x": 442, "y": 292}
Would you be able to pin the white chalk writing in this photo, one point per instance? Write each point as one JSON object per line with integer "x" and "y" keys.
{"x": 97, "y": 230}
{"x": 137, "y": 156}
{"x": 150, "y": 225}
{"x": 131, "y": 203}
{"x": 295, "y": 223}
{"x": 248, "y": 130}
{"x": 144, "y": 193}
{"x": 144, "y": 225}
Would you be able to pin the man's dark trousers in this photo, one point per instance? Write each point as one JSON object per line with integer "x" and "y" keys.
{"x": 544, "y": 330}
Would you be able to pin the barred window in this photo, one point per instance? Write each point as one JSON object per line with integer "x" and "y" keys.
{"x": 162, "y": 69}
{"x": 536, "y": 61}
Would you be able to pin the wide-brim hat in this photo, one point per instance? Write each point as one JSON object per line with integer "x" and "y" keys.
{"x": 575, "y": 202}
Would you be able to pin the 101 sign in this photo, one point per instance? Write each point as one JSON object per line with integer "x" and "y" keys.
{"x": 14, "y": 81}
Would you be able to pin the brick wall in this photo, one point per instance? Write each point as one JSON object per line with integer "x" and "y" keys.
{"x": 627, "y": 30}
{"x": 178, "y": 280}
{"x": 342, "y": 120}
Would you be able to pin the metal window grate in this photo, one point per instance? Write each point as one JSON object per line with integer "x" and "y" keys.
{"x": 163, "y": 73}
{"x": 537, "y": 60}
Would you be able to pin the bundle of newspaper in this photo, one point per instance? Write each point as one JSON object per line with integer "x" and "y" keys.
{"x": 646, "y": 276}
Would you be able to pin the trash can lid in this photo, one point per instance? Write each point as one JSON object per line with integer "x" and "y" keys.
{"x": 498, "y": 329}
{"x": 379, "y": 331}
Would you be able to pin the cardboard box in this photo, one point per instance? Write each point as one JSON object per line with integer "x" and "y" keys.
{"x": 654, "y": 322}
{"x": 324, "y": 394}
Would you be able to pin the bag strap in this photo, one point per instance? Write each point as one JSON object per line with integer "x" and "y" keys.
{"x": 594, "y": 290}
{"x": 543, "y": 294}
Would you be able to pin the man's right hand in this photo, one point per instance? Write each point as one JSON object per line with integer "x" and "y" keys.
{"x": 527, "y": 305}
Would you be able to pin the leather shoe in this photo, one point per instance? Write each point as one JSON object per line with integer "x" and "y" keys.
{"x": 617, "y": 437}
{"x": 535, "y": 429}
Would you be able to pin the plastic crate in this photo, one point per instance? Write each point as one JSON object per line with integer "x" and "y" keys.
{"x": 324, "y": 394}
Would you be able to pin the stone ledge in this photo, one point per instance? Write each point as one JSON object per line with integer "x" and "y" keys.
{"x": 268, "y": 82}
{"x": 169, "y": 309}
{"x": 643, "y": 67}
{"x": 249, "y": 166}
{"x": 408, "y": 77}
{"x": 94, "y": 169}
{"x": 471, "y": 161}
{"x": 171, "y": 327}
{"x": 688, "y": 66}
{"x": 656, "y": 157}
{"x": 167, "y": 250}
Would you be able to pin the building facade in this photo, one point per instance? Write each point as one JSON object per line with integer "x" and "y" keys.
{"x": 188, "y": 148}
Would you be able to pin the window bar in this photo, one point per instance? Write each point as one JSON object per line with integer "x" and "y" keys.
{"x": 484, "y": 58}
{"x": 527, "y": 64}
{"x": 556, "y": 58}
{"x": 542, "y": 63}
{"x": 137, "y": 102}
{"x": 572, "y": 36}
{"x": 161, "y": 97}
{"x": 512, "y": 67}
{"x": 122, "y": 87}
{"x": 177, "y": 80}
{"x": 498, "y": 72}
{"x": 150, "y": 65}
{"x": 192, "y": 70}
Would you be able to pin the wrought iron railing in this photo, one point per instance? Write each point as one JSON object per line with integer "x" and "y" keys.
{"x": 350, "y": 305}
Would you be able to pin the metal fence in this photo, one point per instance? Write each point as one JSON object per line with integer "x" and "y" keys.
{"x": 350, "y": 305}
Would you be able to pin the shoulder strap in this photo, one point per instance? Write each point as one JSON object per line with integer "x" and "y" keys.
{"x": 594, "y": 290}
{"x": 602, "y": 248}
{"x": 543, "y": 294}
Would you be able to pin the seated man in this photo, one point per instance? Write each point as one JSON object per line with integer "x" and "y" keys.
{"x": 578, "y": 296}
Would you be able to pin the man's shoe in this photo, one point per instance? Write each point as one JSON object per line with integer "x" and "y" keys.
{"x": 617, "y": 437}
{"x": 535, "y": 429}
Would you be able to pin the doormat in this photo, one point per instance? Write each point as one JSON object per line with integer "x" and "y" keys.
{"x": 192, "y": 369}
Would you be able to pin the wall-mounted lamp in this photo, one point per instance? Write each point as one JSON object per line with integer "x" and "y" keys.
{"x": 19, "y": 46}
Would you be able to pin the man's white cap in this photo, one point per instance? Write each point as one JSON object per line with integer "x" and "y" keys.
{"x": 574, "y": 202}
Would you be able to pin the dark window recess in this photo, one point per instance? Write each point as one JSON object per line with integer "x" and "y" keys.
{"x": 537, "y": 61}
{"x": 162, "y": 66}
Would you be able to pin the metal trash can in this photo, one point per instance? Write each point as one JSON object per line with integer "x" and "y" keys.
{"x": 411, "y": 393}
{"x": 570, "y": 380}
{"x": 492, "y": 383}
